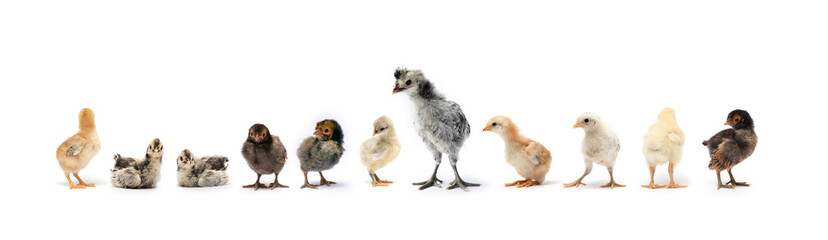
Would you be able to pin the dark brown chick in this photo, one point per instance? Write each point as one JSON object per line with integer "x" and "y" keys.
{"x": 321, "y": 151}
{"x": 731, "y": 146}
{"x": 265, "y": 154}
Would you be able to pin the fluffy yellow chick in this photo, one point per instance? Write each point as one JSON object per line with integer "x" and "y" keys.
{"x": 529, "y": 158}
{"x": 76, "y": 152}
{"x": 381, "y": 149}
{"x": 663, "y": 143}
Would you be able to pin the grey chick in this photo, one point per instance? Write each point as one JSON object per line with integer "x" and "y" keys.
{"x": 265, "y": 154}
{"x": 208, "y": 171}
{"x": 322, "y": 151}
{"x": 732, "y": 146}
{"x": 440, "y": 123}
{"x": 138, "y": 173}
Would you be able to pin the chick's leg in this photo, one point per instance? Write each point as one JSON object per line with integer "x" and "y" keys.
{"x": 458, "y": 182}
{"x": 83, "y": 184}
{"x": 518, "y": 182}
{"x": 612, "y": 184}
{"x": 719, "y": 177}
{"x": 307, "y": 184}
{"x": 323, "y": 181}
{"x": 528, "y": 183}
{"x": 673, "y": 183}
{"x": 72, "y": 185}
{"x": 256, "y": 185}
{"x": 652, "y": 182}
{"x": 276, "y": 184}
{"x": 578, "y": 182}
{"x": 433, "y": 181}
{"x": 732, "y": 181}
{"x": 378, "y": 182}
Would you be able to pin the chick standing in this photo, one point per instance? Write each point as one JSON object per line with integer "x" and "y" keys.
{"x": 265, "y": 154}
{"x": 440, "y": 123}
{"x": 76, "y": 152}
{"x": 208, "y": 171}
{"x": 663, "y": 143}
{"x": 600, "y": 145}
{"x": 529, "y": 158}
{"x": 381, "y": 149}
{"x": 732, "y": 146}
{"x": 321, "y": 151}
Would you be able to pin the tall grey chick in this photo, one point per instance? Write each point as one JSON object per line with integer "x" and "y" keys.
{"x": 440, "y": 123}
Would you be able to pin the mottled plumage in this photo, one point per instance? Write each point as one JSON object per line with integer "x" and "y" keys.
{"x": 440, "y": 123}
{"x": 208, "y": 171}
{"x": 138, "y": 173}
{"x": 731, "y": 146}
{"x": 265, "y": 154}
{"x": 322, "y": 151}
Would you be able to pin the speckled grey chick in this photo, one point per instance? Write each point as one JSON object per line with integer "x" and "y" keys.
{"x": 265, "y": 154}
{"x": 138, "y": 173}
{"x": 440, "y": 123}
{"x": 207, "y": 171}
{"x": 322, "y": 151}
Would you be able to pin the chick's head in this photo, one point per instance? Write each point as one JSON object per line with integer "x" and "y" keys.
{"x": 86, "y": 118}
{"x": 155, "y": 148}
{"x": 587, "y": 121}
{"x": 185, "y": 159}
{"x": 407, "y": 80}
{"x": 328, "y": 129}
{"x": 383, "y": 126}
{"x": 667, "y": 114}
{"x": 499, "y": 125}
{"x": 739, "y": 119}
{"x": 259, "y": 133}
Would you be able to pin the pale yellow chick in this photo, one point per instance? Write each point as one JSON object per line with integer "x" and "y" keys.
{"x": 663, "y": 143}
{"x": 76, "y": 152}
{"x": 529, "y": 158}
{"x": 381, "y": 149}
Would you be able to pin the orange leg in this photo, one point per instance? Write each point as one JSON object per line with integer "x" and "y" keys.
{"x": 652, "y": 181}
{"x": 518, "y": 182}
{"x": 72, "y": 185}
{"x": 673, "y": 183}
{"x": 528, "y": 183}
{"x": 612, "y": 184}
{"x": 80, "y": 182}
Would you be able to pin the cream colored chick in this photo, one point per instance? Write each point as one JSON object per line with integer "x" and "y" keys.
{"x": 529, "y": 158}
{"x": 663, "y": 143}
{"x": 76, "y": 152}
{"x": 600, "y": 145}
{"x": 381, "y": 149}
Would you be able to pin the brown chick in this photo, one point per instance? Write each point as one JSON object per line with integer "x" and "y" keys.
{"x": 76, "y": 152}
{"x": 528, "y": 157}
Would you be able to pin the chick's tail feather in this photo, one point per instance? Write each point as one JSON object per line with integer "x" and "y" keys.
{"x": 704, "y": 142}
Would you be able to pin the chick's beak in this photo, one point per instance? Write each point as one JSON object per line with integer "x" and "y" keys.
{"x": 727, "y": 123}
{"x": 397, "y": 89}
{"x": 317, "y": 133}
{"x": 578, "y": 124}
{"x": 487, "y": 128}
{"x": 375, "y": 133}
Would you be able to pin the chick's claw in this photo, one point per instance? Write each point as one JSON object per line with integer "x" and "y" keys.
{"x": 308, "y": 185}
{"x": 574, "y": 184}
{"x": 430, "y": 183}
{"x": 741, "y": 184}
{"x": 458, "y": 183}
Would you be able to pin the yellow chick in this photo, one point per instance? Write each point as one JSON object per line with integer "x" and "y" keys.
{"x": 381, "y": 149}
{"x": 76, "y": 152}
{"x": 529, "y": 158}
{"x": 663, "y": 143}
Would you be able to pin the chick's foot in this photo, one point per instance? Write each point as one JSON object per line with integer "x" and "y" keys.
{"x": 653, "y": 186}
{"x": 612, "y": 184}
{"x": 674, "y": 185}
{"x": 255, "y": 186}
{"x": 433, "y": 182}
{"x": 518, "y": 182}
{"x": 308, "y": 185}
{"x": 740, "y": 184}
{"x": 459, "y": 183}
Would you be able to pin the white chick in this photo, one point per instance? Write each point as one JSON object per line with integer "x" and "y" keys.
{"x": 381, "y": 149}
{"x": 529, "y": 158}
{"x": 600, "y": 146}
{"x": 663, "y": 143}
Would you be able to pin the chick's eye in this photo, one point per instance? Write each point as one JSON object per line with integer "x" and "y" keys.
{"x": 586, "y": 120}
{"x": 408, "y": 82}
{"x": 326, "y": 130}
{"x": 494, "y": 124}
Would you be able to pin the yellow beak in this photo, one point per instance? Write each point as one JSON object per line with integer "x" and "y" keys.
{"x": 578, "y": 124}
{"x": 487, "y": 128}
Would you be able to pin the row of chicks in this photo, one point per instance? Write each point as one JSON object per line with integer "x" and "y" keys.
{"x": 443, "y": 127}
{"x": 134, "y": 173}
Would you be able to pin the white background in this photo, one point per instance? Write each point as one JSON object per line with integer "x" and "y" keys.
{"x": 197, "y": 74}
